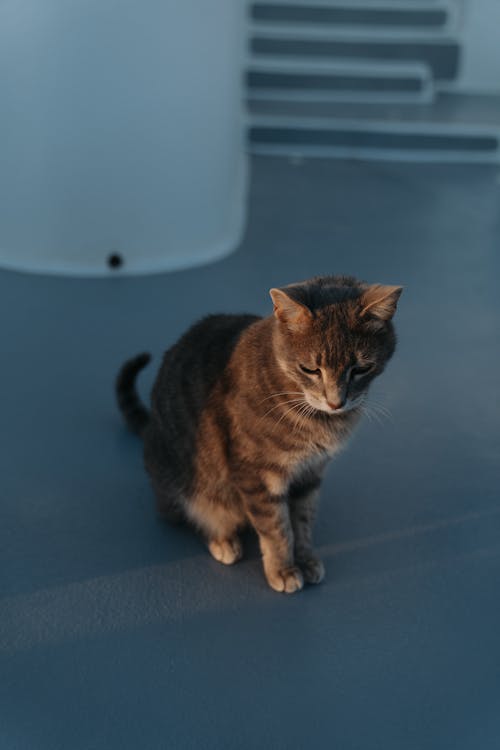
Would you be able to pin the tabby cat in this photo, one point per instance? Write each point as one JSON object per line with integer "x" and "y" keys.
{"x": 247, "y": 411}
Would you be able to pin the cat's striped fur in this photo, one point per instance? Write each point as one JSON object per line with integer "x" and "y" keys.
{"x": 246, "y": 412}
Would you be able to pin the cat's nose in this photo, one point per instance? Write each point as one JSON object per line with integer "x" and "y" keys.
{"x": 335, "y": 405}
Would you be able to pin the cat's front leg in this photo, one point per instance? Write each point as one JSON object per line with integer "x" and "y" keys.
{"x": 270, "y": 517}
{"x": 303, "y": 499}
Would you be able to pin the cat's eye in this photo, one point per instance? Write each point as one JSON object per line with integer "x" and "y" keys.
{"x": 317, "y": 371}
{"x": 360, "y": 370}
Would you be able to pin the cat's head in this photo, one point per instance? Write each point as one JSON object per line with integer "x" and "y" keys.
{"x": 333, "y": 335}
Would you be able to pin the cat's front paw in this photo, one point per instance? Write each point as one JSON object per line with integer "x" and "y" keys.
{"x": 227, "y": 551}
{"x": 287, "y": 580}
{"x": 312, "y": 569}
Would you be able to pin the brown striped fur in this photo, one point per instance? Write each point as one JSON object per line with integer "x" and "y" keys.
{"x": 247, "y": 411}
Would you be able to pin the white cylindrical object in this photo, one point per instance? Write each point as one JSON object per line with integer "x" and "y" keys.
{"x": 121, "y": 133}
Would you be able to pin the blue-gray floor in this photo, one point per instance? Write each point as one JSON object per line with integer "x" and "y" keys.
{"x": 119, "y": 632}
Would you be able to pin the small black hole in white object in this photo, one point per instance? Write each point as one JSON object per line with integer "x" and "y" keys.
{"x": 115, "y": 260}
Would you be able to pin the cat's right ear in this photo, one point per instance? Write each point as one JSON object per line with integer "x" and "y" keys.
{"x": 287, "y": 310}
{"x": 379, "y": 301}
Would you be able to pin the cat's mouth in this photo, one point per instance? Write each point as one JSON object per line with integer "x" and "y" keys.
{"x": 323, "y": 406}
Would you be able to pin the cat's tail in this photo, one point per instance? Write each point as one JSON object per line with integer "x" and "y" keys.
{"x": 135, "y": 413}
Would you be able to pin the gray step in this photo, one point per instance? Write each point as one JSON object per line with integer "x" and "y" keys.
{"x": 386, "y": 15}
{"x": 440, "y": 54}
{"x": 375, "y": 137}
{"x": 447, "y": 131}
{"x": 447, "y": 109}
{"x": 269, "y": 81}
{"x": 314, "y": 81}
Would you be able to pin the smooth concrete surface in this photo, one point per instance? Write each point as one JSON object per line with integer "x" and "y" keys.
{"x": 117, "y": 631}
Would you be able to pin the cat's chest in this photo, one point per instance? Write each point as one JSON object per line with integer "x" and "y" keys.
{"x": 309, "y": 466}
{"x": 311, "y": 463}
{"x": 313, "y": 457}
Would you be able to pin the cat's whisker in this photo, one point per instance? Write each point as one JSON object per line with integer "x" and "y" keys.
{"x": 309, "y": 412}
{"x": 381, "y": 409}
{"x": 374, "y": 400}
{"x": 295, "y": 406}
{"x": 281, "y": 393}
{"x": 303, "y": 413}
{"x": 384, "y": 409}
{"x": 282, "y": 403}
{"x": 370, "y": 412}
{"x": 366, "y": 412}
{"x": 297, "y": 418}
{"x": 385, "y": 414}
{"x": 377, "y": 402}
{"x": 299, "y": 423}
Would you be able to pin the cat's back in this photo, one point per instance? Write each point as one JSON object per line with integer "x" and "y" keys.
{"x": 198, "y": 359}
{"x": 190, "y": 370}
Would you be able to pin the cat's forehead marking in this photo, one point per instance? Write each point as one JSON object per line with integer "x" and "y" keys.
{"x": 335, "y": 342}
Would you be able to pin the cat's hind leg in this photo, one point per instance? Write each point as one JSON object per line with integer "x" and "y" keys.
{"x": 219, "y": 525}
{"x": 168, "y": 505}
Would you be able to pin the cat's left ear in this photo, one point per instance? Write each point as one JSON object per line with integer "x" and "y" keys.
{"x": 287, "y": 310}
{"x": 380, "y": 301}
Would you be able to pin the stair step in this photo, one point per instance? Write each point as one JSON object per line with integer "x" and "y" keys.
{"x": 457, "y": 129}
{"x": 315, "y": 81}
{"x": 374, "y": 143}
{"x": 384, "y": 14}
{"x": 371, "y": 135}
{"x": 447, "y": 109}
{"x": 441, "y": 54}
{"x": 278, "y": 84}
